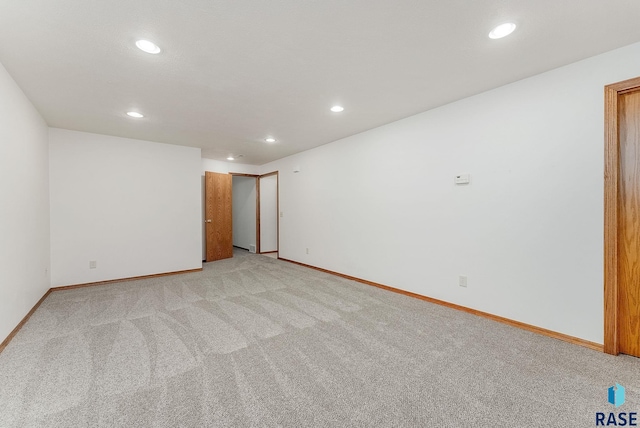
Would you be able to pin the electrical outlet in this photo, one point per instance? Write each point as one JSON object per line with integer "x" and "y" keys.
{"x": 281, "y": 214}
{"x": 93, "y": 264}
{"x": 307, "y": 251}
{"x": 462, "y": 281}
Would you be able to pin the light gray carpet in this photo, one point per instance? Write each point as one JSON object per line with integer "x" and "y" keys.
{"x": 253, "y": 341}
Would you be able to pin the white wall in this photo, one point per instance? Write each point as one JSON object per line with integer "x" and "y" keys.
{"x": 24, "y": 205}
{"x": 527, "y": 231}
{"x": 244, "y": 211}
{"x": 133, "y": 206}
{"x": 269, "y": 213}
{"x": 222, "y": 167}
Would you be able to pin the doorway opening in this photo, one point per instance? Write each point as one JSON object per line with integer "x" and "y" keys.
{"x": 241, "y": 211}
{"x": 245, "y": 211}
{"x": 269, "y": 218}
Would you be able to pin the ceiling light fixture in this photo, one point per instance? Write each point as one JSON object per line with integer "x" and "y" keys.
{"x": 502, "y": 30}
{"x": 148, "y": 47}
{"x": 270, "y": 140}
{"x": 135, "y": 114}
{"x": 230, "y": 158}
{"x": 337, "y": 109}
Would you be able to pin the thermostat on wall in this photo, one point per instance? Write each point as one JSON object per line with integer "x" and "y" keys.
{"x": 463, "y": 179}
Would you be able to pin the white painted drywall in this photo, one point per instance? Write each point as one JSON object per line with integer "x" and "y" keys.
{"x": 527, "y": 230}
{"x": 223, "y": 167}
{"x": 24, "y": 205}
{"x": 133, "y": 206}
{"x": 269, "y": 213}
{"x": 244, "y": 211}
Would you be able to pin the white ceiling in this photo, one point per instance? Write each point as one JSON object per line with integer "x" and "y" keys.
{"x": 233, "y": 72}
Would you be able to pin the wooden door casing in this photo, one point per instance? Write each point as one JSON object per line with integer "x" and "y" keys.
{"x": 629, "y": 225}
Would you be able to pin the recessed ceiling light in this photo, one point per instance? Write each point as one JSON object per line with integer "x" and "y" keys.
{"x": 270, "y": 140}
{"x": 502, "y": 30}
{"x": 147, "y": 46}
{"x": 337, "y": 109}
{"x": 230, "y": 158}
{"x": 135, "y": 114}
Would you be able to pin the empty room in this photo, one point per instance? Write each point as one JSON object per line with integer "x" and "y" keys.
{"x": 319, "y": 213}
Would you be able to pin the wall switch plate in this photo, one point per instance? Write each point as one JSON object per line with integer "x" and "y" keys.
{"x": 93, "y": 264}
{"x": 463, "y": 179}
{"x": 462, "y": 281}
{"x": 307, "y": 251}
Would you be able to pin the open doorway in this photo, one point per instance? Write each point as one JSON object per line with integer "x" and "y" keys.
{"x": 245, "y": 212}
{"x": 255, "y": 209}
{"x": 268, "y": 224}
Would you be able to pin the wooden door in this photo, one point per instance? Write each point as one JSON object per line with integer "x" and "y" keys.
{"x": 629, "y": 225}
{"x": 218, "y": 216}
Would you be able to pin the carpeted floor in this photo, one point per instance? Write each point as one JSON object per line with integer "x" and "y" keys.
{"x": 252, "y": 341}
